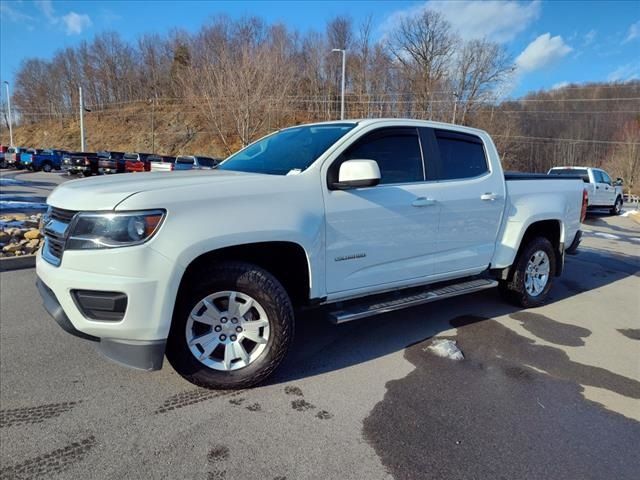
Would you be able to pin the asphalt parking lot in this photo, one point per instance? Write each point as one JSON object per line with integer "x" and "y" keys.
{"x": 551, "y": 392}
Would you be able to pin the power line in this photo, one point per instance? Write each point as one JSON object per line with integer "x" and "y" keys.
{"x": 570, "y": 140}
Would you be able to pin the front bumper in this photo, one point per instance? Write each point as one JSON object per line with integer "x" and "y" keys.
{"x": 143, "y": 275}
{"x": 143, "y": 355}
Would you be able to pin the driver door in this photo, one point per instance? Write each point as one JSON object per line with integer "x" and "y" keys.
{"x": 385, "y": 234}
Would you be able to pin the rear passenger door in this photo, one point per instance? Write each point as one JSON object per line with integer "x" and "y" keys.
{"x": 471, "y": 198}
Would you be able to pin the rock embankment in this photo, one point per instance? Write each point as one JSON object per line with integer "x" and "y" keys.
{"x": 19, "y": 234}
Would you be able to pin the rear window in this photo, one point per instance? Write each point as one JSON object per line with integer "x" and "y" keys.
{"x": 131, "y": 156}
{"x": 461, "y": 155}
{"x": 207, "y": 162}
{"x": 572, "y": 172}
{"x": 185, "y": 160}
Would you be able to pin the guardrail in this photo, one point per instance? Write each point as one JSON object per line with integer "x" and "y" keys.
{"x": 632, "y": 200}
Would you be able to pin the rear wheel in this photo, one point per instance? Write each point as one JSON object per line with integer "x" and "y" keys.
{"x": 617, "y": 207}
{"x": 232, "y": 328}
{"x": 532, "y": 275}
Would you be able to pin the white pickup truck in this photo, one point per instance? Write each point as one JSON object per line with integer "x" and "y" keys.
{"x": 360, "y": 217}
{"x": 601, "y": 191}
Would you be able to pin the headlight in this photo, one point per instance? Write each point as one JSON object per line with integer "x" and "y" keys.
{"x": 111, "y": 230}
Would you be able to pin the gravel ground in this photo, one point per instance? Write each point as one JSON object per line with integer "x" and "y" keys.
{"x": 552, "y": 392}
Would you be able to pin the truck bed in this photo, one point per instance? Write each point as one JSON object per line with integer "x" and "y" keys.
{"x": 508, "y": 176}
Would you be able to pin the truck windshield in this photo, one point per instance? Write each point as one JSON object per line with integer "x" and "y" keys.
{"x": 290, "y": 150}
{"x": 572, "y": 172}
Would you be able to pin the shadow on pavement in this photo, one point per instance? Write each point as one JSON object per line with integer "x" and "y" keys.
{"x": 322, "y": 347}
{"x": 512, "y": 409}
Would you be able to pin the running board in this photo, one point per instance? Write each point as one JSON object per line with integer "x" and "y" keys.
{"x": 357, "y": 309}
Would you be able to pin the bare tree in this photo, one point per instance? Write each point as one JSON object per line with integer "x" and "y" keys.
{"x": 478, "y": 69}
{"x": 245, "y": 74}
{"x": 423, "y": 46}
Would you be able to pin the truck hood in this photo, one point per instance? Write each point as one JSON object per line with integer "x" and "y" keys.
{"x": 106, "y": 192}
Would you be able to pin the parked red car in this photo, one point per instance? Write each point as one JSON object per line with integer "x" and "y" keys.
{"x": 137, "y": 162}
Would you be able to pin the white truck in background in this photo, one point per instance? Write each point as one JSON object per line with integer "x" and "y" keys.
{"x": 360, "y": 217}
{"x": 601, "y": 191}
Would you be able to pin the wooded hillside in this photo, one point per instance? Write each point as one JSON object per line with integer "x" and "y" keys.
{"x": 233, "y": 81}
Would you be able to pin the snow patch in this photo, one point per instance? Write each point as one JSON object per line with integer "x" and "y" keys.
{"x": 10, "y": 181}
{"x": 10, "y": 204}
{"x": 626, "y": 213}
{"x": 446, "y": 349}
{"x": 610, "y": 236}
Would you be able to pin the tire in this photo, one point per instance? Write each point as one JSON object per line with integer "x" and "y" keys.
{"x": 617, "y": 207}
{"x": 46, "y": 167}
{"x": 269, "y": 299}
{"x": 515, "y": 289}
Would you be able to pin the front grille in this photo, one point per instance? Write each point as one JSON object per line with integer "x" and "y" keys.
{"x": 62, "y": 214}
{"x": 55, "y": 246}
{"x": 55, "y": 232}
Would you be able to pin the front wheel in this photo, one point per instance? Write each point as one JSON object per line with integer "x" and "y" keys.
{"x": 46, "y": 167}
{"x": 532, "y": 275}
{"x": 617, "y": 207}
{"x": 231, "y": 328}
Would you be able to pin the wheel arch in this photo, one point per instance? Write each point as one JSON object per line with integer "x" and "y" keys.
{"x": 287, "y": 261}
{"x": 552, "y": 230}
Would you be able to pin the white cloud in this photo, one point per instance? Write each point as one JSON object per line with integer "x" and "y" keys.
{"x": 75, "y": 23}
{"x": 542, "y": 52}
{"x": 14, "y": 15}
{"x": 624, "y": 73}
{"x": 589, "y": 37}
{"x": 634, "y": 32}
{"x": 501, "y": 21}
{"x": 498, "y": 20}
{"x": 46, "y": 6}
{"x": 559, "y": 85}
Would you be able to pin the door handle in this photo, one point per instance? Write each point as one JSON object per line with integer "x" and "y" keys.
{"x": 423, "y": 202}
{"x": 489, "y": 196}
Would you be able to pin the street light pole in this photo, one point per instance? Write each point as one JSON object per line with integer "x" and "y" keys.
{"x": 82, "y": 149}
{"x": 6, "y": 84}
{"x": 344, "y": 57}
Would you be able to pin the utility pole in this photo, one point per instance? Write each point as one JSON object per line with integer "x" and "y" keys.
{"x": 455, "y": 106}
{"x": 153, "y": 124}
{"x": 81, "y": 121}
{"x": 344, "y": 57}
{"x": 6, "y": 84}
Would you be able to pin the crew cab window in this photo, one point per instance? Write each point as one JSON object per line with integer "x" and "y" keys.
{"x": 605, "y": 178}
{"x": 397, "y": 151}
{"x": 461, "y": 155}
{"x": 597, "y": 176}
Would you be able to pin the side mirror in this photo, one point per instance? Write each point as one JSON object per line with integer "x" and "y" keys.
{"x": 357, "y": 174}
{"x": 618, "y": 182}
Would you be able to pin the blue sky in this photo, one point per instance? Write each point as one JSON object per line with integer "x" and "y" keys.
{"x": 552, "y": 42}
